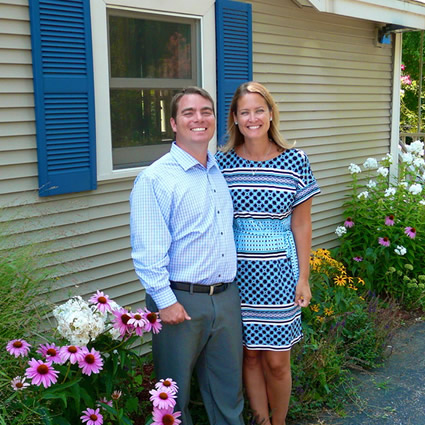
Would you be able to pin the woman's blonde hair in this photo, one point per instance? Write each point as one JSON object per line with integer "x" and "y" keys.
{"x": 235, "y": 137}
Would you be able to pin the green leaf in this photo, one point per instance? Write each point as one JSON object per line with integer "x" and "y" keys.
{"x": 53, "y": 396}
{"x": 132, "y": 404}
{"x": 60, "y": 420}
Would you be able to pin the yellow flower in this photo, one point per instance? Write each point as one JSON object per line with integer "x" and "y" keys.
{"x": 352, "y": 287}
{"x": 360, "y": 280}
{"x": 320, "y": 318}
{"x": 315, "y": 307}
{"x": 340, "y": 280}
{"x": 329, "y": 312}
{"x": 350, "y": 279}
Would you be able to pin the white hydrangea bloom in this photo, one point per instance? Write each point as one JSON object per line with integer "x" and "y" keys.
{"x": 416, "y": 147}
{"x": 422, "y": 202}
{"x": 371, "y": 184}
{"x": 388, "y": 157}
{"x": 354, "y": 169}
{"x": 363, "y": 195}
{"x": 400, "y": 250}
{"x": 403, "y": 184}
{"x": 340, "y": 230}
{"x": 415, "y": 189}
{"x": 390, "y": 192}
{"x": 370, "y": 163}
{"x": 78, "y": 322}
{"x": 407, "y": 157}
{"x": 382, "y": 171}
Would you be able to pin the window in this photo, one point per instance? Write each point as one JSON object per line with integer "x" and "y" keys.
{"x": 151, "y": 57}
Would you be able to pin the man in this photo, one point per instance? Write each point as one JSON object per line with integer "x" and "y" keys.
{"x": 184, "y": 255}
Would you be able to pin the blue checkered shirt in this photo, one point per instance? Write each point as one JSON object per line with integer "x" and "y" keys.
{"x": 181, "y": 225}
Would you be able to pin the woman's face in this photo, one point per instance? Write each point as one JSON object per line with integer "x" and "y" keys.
{"x": 253, "y": 116}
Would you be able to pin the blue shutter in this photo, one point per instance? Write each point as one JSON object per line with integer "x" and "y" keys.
{"x": 64, "y": 95}
{"x": 234, "y": 55}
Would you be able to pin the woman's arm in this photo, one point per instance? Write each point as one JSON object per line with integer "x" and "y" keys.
{"x": 301, "y": 228}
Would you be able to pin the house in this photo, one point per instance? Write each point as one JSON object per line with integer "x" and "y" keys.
{"x": 84, "y": 93}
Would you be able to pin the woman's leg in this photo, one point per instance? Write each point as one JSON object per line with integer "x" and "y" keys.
{"x": 255, "y": 385}
{"x": 277, "y": 371}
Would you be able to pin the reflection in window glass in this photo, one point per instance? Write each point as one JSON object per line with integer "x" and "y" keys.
{"x": 140, "y": 121}
{"x": 143, "y": 48}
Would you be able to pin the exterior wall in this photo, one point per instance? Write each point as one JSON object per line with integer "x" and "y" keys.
{"x": 333, "y": 87}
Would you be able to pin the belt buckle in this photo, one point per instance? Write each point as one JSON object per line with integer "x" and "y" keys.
{"x": 212, "y": 288}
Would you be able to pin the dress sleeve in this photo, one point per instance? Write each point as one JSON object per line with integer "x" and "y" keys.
{"x": 307, "y": 185}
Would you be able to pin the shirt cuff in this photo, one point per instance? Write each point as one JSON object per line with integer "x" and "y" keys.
{"x": 164, "y": 297}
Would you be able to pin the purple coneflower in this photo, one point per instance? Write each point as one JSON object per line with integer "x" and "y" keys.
{"x": 102, "y": 301}
{"x": 410, "y": 231}
{"x": 163, "y": 399}
{"x": 349, "y": 222}
{"x": 138, "y": 321}
{"x": 18, "y": 347}
{"x": 165, "y": 417}
{"x": 167, "y": 383}
{"x": 90, "y": 361}
{"x": 104, "y": 400}
{"x": 41, "y": 373}
{"x": 50, "y": 352}
{"x": 92, "y": 417}
{"x": 18, "y": 383}
{"x": 71, "y": 353}
{"x": 358, "y": 259}
{"x": 122, "y": 316}
{"x": 153, "y": 322}
{"x": 389, "y": 220}
{"x": 384, "y": 241}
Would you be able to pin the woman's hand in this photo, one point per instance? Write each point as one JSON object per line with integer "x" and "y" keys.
{"x": 302, "y": 293}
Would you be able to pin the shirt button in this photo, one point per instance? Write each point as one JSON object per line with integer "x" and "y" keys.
{"x": 215, "y": 191}
{"x": 218, "y": 212}
{"x": 221, "y": 233}
{"x": 219, "y": 275}
{"x": 222, "y": 255}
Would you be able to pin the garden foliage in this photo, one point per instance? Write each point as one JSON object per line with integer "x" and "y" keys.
{"x": 383, "y": 234}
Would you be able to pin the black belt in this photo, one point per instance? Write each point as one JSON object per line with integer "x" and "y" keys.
{"x": 216, "y": 288}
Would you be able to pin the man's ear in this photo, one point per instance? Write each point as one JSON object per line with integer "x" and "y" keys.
{"x": 173, "y": 124}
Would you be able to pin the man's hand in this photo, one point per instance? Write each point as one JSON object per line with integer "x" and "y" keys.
{"x": 173, "y": 314}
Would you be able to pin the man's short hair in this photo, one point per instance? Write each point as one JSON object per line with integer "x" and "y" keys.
{"x": 189, "y": 90}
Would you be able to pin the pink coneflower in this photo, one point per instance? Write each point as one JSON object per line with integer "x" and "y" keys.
{"x": 50, "y": 352}
{"x": 90, "y": 361}
{"x": 41, "y": 373}
{"x": 138, "y": 321}
{"x": 153, "y": 322}
{"x": 410, "y": 231}
{"x": 104, "y": 400}
{"x": 116, "y": 395}
{"x": 349, "y": 222}
{"x": 92, "y": 417}
{"x": 167, "y": 383}
{"x": 162, "y": 399}
{"x": 18, "y": 347}
{"x": 122, "y": 316}
{"x": 389, "y": 220}
{"x": 71, "y": 352}
{"x": 165, "y": 417}
{"x": 18, "y": 383}
{"x": 102, "y": 301}
{"x": 384, "y": 241}
{"x": 358, "y": 259}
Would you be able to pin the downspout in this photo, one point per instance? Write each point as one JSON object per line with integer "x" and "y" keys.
{"x": 395, "y": 116}
{"x": 421, "y": 65}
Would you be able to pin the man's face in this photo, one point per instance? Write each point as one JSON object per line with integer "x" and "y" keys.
{"x": 195, "y": 121}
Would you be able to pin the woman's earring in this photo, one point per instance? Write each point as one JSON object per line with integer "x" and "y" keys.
{"x": 270, "y": 118}
{"x": 236, "y": 123}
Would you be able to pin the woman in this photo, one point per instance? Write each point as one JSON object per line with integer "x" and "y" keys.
{"x": 272, "y": 188}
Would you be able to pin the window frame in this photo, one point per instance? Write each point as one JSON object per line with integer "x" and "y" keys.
{"x": 201, "y": 11}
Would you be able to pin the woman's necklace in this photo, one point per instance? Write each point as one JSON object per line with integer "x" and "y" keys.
{"x": 254, "y": 170}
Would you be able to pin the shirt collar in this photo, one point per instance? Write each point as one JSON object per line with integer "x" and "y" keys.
{"x": 187, "y": 161}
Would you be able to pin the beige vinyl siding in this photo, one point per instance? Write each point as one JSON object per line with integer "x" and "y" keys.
{"x": 86, "y": 234}
{"x": 333, "y": 86}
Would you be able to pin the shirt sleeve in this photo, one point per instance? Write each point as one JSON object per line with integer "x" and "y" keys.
{"x": 151, "y": 239}
{"x": 307, "y": 185}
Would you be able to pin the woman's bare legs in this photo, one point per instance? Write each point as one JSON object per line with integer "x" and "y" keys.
{"x": 255, "y": 385}
{"x": 277, "y": 372}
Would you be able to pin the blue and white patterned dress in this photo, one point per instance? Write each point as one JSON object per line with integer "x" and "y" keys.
{"x": 264, "y": 195}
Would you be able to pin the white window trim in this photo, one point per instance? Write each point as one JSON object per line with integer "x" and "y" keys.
{"x": 203, "y": 10}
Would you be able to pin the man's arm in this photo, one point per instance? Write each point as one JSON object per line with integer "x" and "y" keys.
{"x": 151, "y": 241}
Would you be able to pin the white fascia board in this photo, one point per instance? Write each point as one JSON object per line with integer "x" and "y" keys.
{"x": 400, "y": 12}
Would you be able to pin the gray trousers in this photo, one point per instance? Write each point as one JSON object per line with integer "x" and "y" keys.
{"x": 211, "y": 344}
